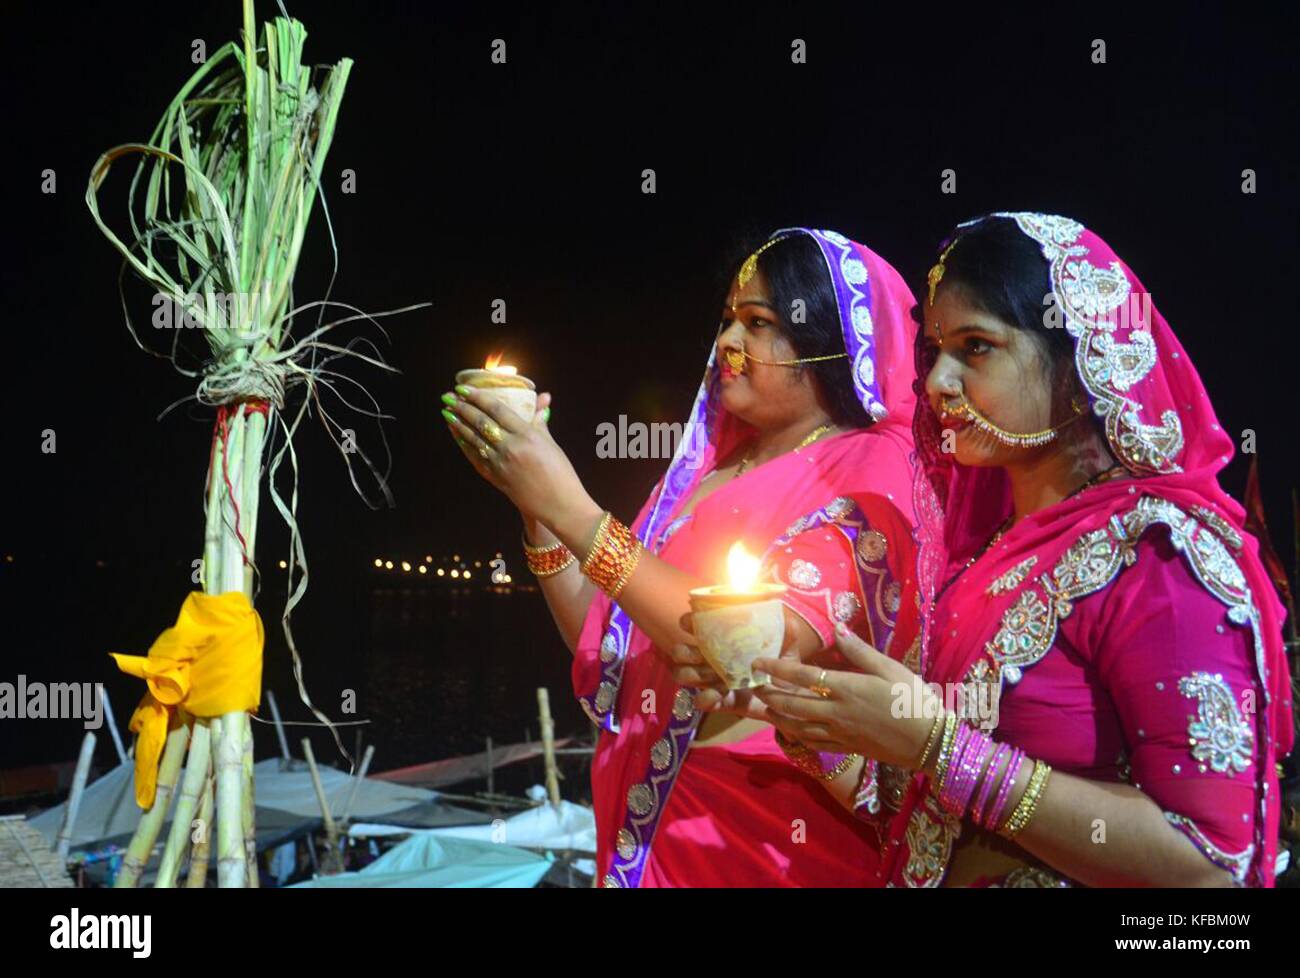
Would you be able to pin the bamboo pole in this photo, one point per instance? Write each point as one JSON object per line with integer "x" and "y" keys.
{"x": 74, "y": 796}
{"x": 198, "y": 875}
{"x": 331, "y": 864}
{"x": 548, "y": 745}
{"x": 112, "y": 722}
{"x": 279, "y": 730}
{"x": 192, "y": 787}
{"x": 151, "y": 822}
{"x": 356, "y": 784}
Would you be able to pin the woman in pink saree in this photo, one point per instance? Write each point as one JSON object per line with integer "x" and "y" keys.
{"x": 799, "y": 447}
{"x": 1083, "y": 573}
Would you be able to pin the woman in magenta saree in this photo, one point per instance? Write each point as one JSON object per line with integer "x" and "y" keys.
{"x": 1083, "y": 571}
{"x": 678, "y": 802}
{"x": 833, "y": 522}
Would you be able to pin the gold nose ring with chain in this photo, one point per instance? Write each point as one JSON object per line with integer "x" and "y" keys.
{"x": 736, "y": 360}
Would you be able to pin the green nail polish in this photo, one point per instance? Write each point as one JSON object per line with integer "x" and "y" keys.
{"x": 462, "y": 390}
{"x": 451, "y": 418}
{"x": 449, "y": 399}
{"x": 546, "y": 414}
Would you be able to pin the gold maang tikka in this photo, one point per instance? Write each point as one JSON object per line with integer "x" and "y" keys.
{"x": 749, "y": 267}
{"x": 936, "y": 272}
{"x": 736, "y": 358}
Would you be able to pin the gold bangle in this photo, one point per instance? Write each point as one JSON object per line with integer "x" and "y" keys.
{"x": 539, "y": 551}
{"x": 1028, "y": 804}
{"x": 931, "y": 740}
{"x": 945, "y": 750}
{"x": 809, "y": 762}
{"x": 598, "y": 538}
{"x": 615, "y": 552}
{"x": 547, "y": 561}
{"x": 551, "y": 564}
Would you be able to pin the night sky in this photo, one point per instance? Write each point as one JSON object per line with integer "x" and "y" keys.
{"x": 477, "y": 181}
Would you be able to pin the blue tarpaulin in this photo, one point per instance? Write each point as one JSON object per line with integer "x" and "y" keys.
{"x": 424, "y": 860}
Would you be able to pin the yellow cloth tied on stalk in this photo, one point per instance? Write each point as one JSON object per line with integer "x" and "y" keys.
{"x": 209, "y": 664}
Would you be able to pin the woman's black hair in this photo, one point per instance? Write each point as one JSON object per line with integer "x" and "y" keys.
{"x": 1002, "y": 272}
{"x": 801, "y": 289}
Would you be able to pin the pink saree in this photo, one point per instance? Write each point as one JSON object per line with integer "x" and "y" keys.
{"x": 1131, "y": 631}
{"x": 833, "y": 521}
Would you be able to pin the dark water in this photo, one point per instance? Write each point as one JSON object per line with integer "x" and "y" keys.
{"x": 434, "y": 668}
{"x": 447, "y": 667}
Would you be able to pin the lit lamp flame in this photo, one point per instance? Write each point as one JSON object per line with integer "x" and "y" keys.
{"x": 493, "y": 363}
{"x": 742, "y": 567}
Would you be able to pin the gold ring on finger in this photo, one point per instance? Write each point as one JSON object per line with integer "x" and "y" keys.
{"x": 485, "y": 452}
{"x": 492, "y": 432}
{"x": 820, "y": 687}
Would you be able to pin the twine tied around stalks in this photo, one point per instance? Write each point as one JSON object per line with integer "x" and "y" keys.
{"x": 227, "y": 381}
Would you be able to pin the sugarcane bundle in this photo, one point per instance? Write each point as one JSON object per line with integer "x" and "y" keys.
{"x": 229, "y": 179}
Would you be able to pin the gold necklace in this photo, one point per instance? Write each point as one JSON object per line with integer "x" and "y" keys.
{"x": 816, "y": 433}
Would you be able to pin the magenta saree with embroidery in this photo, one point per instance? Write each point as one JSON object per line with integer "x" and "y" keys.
{"x": 1131, "y": 630}
{"x": 833, "y": 521}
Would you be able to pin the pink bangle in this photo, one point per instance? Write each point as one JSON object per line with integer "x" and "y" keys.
{"x": 986, "y": 786}
{"x": 1004, "y": 790}
{"x": 952, "y": 776}
{"x": 978, "y": 749}
{"x": 969, "y": 753}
